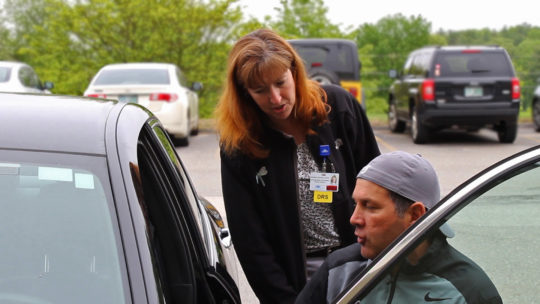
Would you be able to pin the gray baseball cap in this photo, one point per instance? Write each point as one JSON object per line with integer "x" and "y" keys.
{"x": 409, "y": 175}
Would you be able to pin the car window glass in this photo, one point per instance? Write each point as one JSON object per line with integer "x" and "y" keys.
{"x": 482, "y": 64}
{"x": 500, "y": 230}
{"x": 168, "y": 233}
{"x": 58, "y": 238}
{"x": 189, "y": 191}
{"x": 133, "y": 77}
{"x": 4, "y": 74}
{"x": 29, "y": 78}
{"x": 335, "y": 58}
{"x": 181, "y": 77}
{"x": 407, "y": 66}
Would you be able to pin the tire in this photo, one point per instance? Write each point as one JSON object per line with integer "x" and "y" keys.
{"x": 536, "y": 114}
{"x": 195, "y": 131}
{"x": 396, "y": 125}
{"x": 323, "y": 76}
{"x": 507, "y": 133}
{"x": 419, "y": 132}
{"x": 181, "y": 141}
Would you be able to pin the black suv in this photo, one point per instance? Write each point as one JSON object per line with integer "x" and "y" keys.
{"x": 465, "y": 86}
{"x": 332, "y": 61}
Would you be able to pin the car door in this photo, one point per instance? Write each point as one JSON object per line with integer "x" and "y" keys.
{"x": 181, "y": 233}
{"x": 495, "y": 216}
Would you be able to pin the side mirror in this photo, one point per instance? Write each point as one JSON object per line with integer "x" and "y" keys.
{"x": 48, "y": 85}
{"x": 196, "y": 86}
{"x": 393, "y": 74}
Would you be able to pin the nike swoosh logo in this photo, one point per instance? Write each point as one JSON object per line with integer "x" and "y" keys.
{"x": 430, "y": 299}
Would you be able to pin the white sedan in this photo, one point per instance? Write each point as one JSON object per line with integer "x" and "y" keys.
{"x": 19, "y": 77}
{"x": 160, "y": 87}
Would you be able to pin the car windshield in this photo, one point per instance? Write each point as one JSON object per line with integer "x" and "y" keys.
{"x": 483, "y": 64}
{"x": 133, "y": 76}
{"x": 58, "y": 241}
{"x": 4, "y": 74}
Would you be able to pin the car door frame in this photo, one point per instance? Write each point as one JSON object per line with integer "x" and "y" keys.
{"x": 436, "y": 217}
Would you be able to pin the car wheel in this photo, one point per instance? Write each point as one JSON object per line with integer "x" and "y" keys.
{"x": 536, "y": 114}
{"x": 181, "y": 141}
{"x": 396, "y": 125}
{"x": 419, "y": 132}
{"x": 507, "y": 133}
{"x": 323, "y": 76}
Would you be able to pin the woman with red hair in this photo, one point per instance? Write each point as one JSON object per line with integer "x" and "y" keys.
{"x": 280, "y": 133}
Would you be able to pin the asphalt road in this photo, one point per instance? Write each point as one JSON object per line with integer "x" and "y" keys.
{"x": 456, "y": 156}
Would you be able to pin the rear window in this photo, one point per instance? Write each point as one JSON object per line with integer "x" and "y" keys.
{"x": 333, "y": 57}
{"x": 133, "y": 76}
{"x": 474, "y": 64}
{"x": 4, "y": 74}
{"x": 58, "y": 238}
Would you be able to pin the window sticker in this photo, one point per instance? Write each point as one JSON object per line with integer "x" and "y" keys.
{"x": 55, "y": 174}
{"x": 84, "y": 181}
{"x": 9, "y": 169}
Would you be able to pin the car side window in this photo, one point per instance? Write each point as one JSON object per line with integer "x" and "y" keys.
{"x": 181, "y": 78}
{"x": 189, "y": 191}
{"x": 407, "y": 66}
{"x": 168, "y": 231}
{"x": 500, "y": 231}
{"x": 5, "y": 72}
{"x": 29, "y": 78}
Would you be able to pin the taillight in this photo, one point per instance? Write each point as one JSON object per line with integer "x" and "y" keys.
{"x": 169, "y": 97}
{"x": 471, "y": 51}
{"x": 516, "y": 92}
{"x": 316, "y": 64}
{"x": 354, "y": 92}
{"x": 428, "y": 90}
{"x": 97, "y": 95}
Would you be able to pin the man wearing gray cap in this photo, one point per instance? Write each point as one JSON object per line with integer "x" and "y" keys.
{"x": 392, "y": 192}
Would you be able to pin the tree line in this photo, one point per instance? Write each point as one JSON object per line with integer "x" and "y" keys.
{"x": 68, "y": 41}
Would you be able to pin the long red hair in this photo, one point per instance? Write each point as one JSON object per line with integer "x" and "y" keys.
{"x": 260, "y": 54}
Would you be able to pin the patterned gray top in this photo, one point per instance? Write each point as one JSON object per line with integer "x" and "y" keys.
{"x": 319, "y": 228}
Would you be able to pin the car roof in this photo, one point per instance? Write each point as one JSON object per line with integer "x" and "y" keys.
{"x": 138, "y": 65}
{"x": 12, "y": 64}
{"x": 56, "y": 123}
{"x": 310, "y": 41}
{"x": 465, "y": 47}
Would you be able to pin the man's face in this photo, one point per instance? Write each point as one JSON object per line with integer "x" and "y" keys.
{"x": 375, "y": 218}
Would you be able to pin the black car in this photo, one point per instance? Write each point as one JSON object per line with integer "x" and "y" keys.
{"x": 495, "y": 218}
{"x": 469, "y": 87}
{"x": 332, "y": 61}
{"x": 96, "y": 207}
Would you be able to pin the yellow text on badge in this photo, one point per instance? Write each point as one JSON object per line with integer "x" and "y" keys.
{"x": 322, "y": 196}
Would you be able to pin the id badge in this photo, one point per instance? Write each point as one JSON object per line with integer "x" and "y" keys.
{"x": 323, "y": 185}
{"x": 323, "y": 181}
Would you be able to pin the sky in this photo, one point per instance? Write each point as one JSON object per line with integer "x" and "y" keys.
{"x": 446, "y": 15}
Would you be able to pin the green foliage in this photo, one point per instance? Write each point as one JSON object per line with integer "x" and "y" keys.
{"x": 384, "y": 46}
{"x": 67, "y": 41}
{"x": 304, "y": 19}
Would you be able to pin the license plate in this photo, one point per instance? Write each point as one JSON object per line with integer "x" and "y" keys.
{"x": 474, "y": 92}
{"x": 128, "y": 98}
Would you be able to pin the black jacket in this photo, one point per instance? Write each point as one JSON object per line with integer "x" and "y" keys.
{"x": 261, "y": 198}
